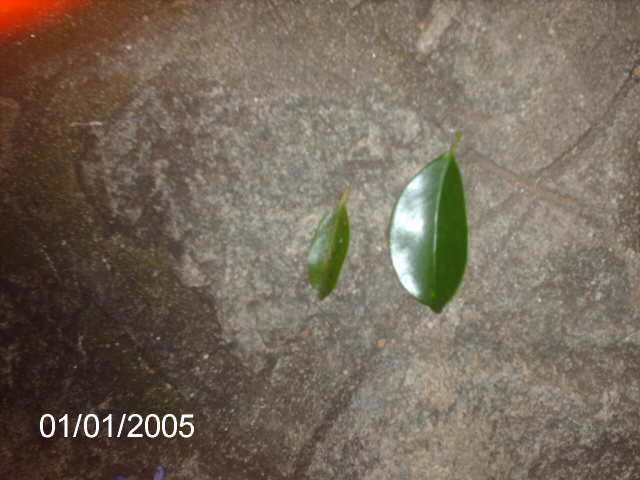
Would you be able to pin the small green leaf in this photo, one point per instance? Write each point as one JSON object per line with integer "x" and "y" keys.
{"x": 428, "y": 232}
{"x": 329, "y": 248}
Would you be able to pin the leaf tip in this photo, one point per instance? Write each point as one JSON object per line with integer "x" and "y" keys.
{"x": 437, "y": 307}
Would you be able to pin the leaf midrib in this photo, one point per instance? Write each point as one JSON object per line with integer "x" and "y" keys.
{"x": 436, "y": 220}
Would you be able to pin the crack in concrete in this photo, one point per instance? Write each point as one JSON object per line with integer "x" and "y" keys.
{"x": 340, "y": 402}
{"x": 523, "y": 183}
{"x": 275, "y": 11}
{"x": 561, "y": 163}
{"x": 514, "y": 226}
{"x": 595, "y": 216}
{"x": 493, "y": 212}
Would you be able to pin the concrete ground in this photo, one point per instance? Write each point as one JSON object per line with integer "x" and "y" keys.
{"x": 163, "y": 165}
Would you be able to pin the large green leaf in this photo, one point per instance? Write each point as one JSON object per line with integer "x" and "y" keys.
{"x": 329, "y": 248}
{"x": 428, "y": 232}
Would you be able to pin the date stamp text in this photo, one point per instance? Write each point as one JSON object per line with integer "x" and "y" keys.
{"x": 127, "y": 425}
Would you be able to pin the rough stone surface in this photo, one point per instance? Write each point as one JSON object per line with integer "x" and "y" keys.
{"x": 161, "y": 179}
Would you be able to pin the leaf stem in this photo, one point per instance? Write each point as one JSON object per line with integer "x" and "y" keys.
{"x": 345, "y": 195}
{"x": 456, "y": 141}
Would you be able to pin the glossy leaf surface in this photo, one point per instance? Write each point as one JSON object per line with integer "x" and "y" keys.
{"x": 428, "y": 233}
{"x": 329, "y": 248}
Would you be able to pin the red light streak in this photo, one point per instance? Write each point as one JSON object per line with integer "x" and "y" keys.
{"x": 18, "y": 16}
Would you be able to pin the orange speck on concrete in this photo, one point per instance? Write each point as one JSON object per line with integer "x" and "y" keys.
{"x": 305, "y": 334}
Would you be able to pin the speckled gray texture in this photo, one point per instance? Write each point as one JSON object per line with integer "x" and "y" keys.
{"x": 240, "y": 124}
